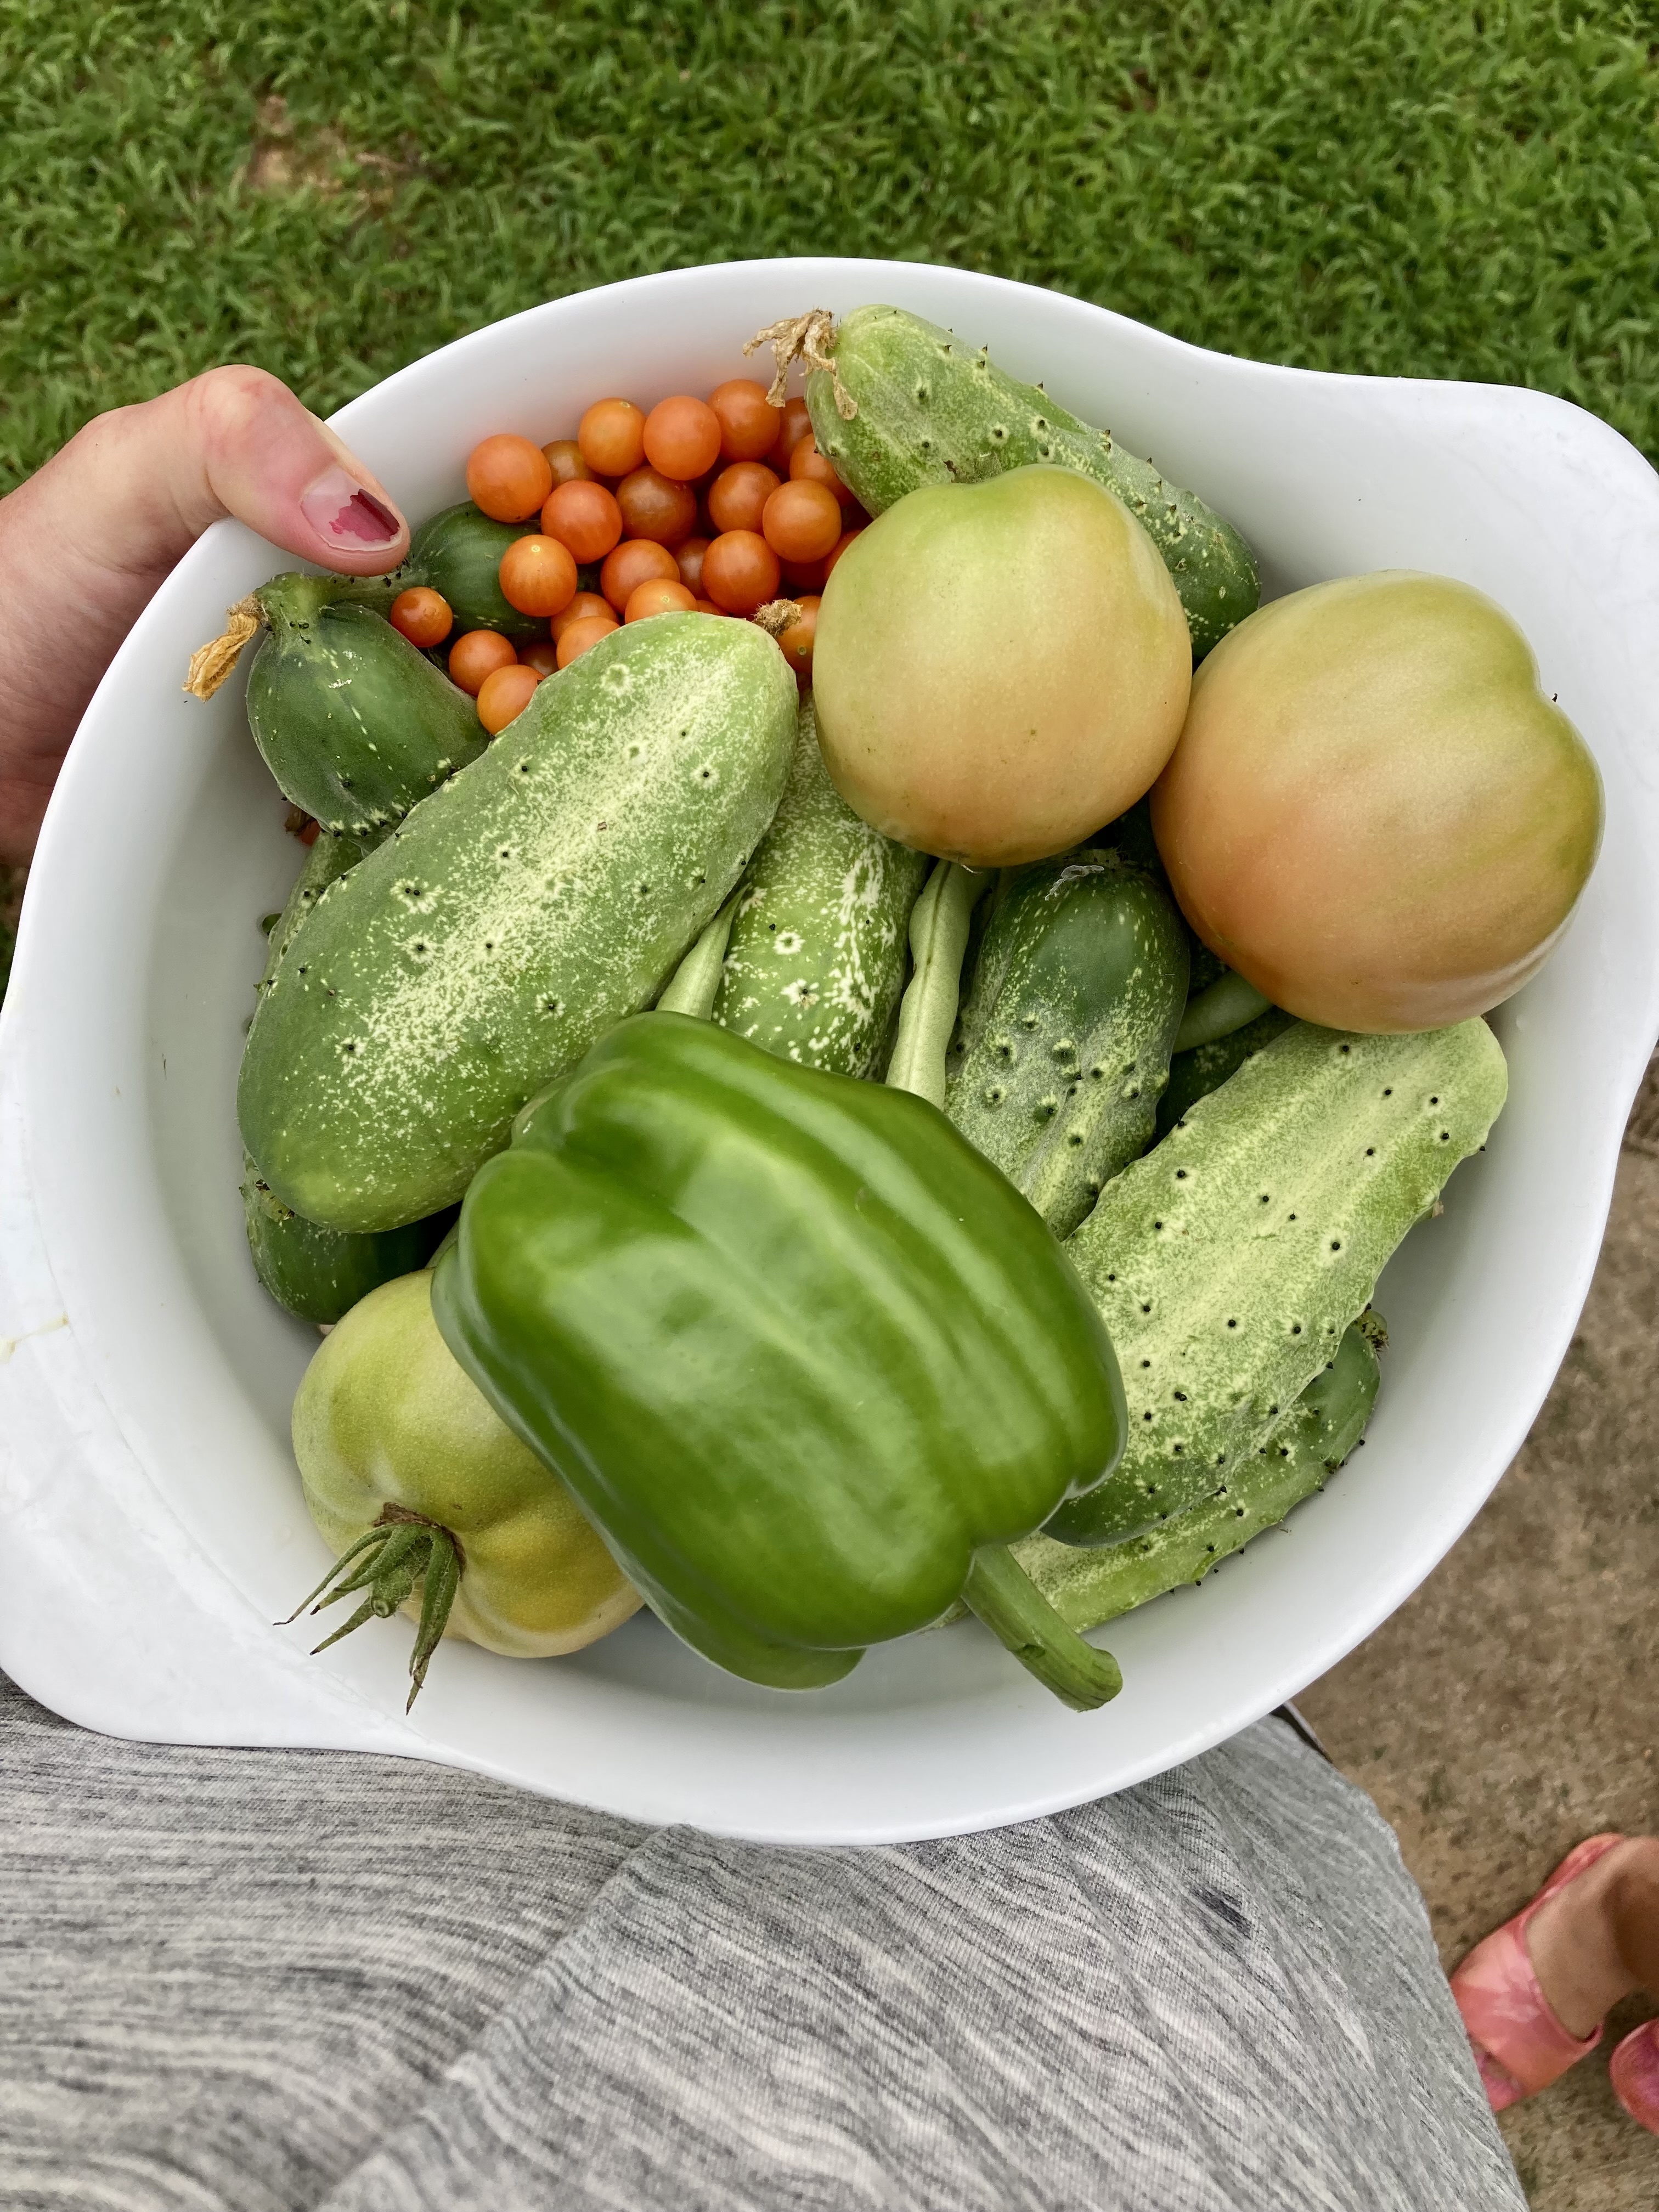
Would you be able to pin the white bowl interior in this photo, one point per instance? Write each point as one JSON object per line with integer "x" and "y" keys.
{"x": 141, "y": 948}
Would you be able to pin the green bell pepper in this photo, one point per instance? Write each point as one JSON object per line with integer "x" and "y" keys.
{"x": 805, "y": 1359}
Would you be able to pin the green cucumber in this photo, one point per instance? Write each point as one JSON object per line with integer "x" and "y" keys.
{"x": 1089, "y": 1588}
{"x": 1062, "y": 1048}
{"x": 816, "y": 961}
{"x": 319, "y": 1274}
{"x": 928, "y": 409}
{"x": 457, "y": 552}
{"x": 1227, "y": 1262}
{"x": 533, "y": 901}
{"x": 327, "y": 859}
{"x": 1194, "y": 1075}
{"x": 354, "y": 724}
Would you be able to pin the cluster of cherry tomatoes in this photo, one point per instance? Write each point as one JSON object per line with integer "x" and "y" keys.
{"x": 717, "y": 505}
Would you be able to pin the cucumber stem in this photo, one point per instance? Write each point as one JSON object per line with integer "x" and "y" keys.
{"x": 402, "y": 1548}
{"x": 928, "y": 1015}
{"x": 695, "y": 984}
{"x": 1009, "y": 1602}
{"x": 1228, "y": 1003}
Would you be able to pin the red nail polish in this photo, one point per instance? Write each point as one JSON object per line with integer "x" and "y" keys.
{"x": 343, "y": 513}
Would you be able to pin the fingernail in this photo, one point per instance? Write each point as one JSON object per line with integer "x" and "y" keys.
{"x": 342, "y": 513}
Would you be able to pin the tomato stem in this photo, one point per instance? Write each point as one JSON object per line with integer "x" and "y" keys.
{"x": 386, "y": 1562}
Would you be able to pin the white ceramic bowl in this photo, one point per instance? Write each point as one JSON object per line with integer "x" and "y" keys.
{"x": 154, "y": 1528}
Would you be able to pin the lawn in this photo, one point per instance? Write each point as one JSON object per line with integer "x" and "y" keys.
{"x": 1424, "y": 187}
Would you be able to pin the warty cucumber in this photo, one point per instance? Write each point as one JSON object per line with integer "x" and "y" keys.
{"x": 458, "y": 553}
{"x": 329, "y": 857}
{"x": 532, "y": 902}
{"x": 816, "y": 960}
{"x": 1088, "y": 1587}
{"x": 928, "y": 409}
{"x": 354, "y": 724}
{"x": 1062, "y": 1048}
{"x": 1227, "y": 1262}
{"x": 1194, "y": 1075}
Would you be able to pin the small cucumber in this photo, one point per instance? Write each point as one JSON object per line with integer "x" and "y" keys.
{"x": 329, "y": 857}
{"x": 354, "y": 724}
{"x": 529, "y": 904}
{"x": 1227, "y": 1262}
{"x": 931, "y": 410}
{"x": 1063, "y": 1045}
{"x": 816, "y": 961}
{"x": 320, "y": 1274}
{"x": 1194, "y": 1075}
{"x": 1088, "y": 1587}
{"x": 457, "y": 552}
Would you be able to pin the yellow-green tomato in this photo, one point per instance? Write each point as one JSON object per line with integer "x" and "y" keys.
{"x": 999, "y": 668}
{"x": 1374, "y": 813}
{"x": 384, "y": 1416}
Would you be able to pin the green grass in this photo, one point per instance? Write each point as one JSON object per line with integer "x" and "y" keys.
{"x": 1419, "y": 186}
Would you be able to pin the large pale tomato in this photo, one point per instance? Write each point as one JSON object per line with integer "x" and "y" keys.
{"x": 1374, "y": 813}
{"x": 999, "y": 668}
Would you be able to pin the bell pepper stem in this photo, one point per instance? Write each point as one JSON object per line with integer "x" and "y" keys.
{"x": 927, "y": 1014}
{"x": 1009, "y": 1602}
{"x": 695, "y": 984}
{"x": 387, "y": 1561}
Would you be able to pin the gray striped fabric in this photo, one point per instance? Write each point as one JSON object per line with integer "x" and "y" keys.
{"x": 298, "y": 1982}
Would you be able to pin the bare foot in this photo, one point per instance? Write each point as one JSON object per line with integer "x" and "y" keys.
{"x": 1597, "y": 1939}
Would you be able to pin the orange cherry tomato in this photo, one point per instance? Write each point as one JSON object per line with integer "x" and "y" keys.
{"x": 581, "y": 634}
{"x": 795, "y": 424}
{"x": 564, "y": 458}
{"x": 584, "y": 605}
{"x": 835, "y": 552}
{"x": 800, "y": 576}
{"x": 610, "y": 437}
{"x": 656, "y": 506}
{"x": 740, "y": 571}
{"x": 658, "y": 595}
{"x": 795, "y": 643}
{"x": 807, "y": 461}
{"x": 505, "y": 693}
{"x": 682, "y": 437}
{"x": 543, "y": 654}
{"x": 538, "y": 576}
{"x": 508, "y": 477}
{"x": 707, "y": 607}
{"x": 747, "y": 421}
{"x": 477, "y": 654}
{"x": 583, "y": 516}
{"x": 631, "y": 564}
{"x": 688, "y": 553}
{"x": 424, "y": 616}
{"x": 801, "y": 520}
{"x": 739, "y": 494}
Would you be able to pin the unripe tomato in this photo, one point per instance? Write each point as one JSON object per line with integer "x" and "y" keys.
{"x": 658, "y": 595}
{"x": 582, "y": 635}
{"x": 801, "y": 520}
{"x": 584, "y": 516}
{"x": 504, "y": 694}
{"x": 682, "y": 438}
{"x": 807, "y": 461}
{"x": 749, "y": 422}
{"x": 508, "y": 477}
{"x": 610, "y": 437}
{"x": 656, "y": 506}
{"x": 477, "y": 654}
{"x": 632, "y": 563}
{"x": 538, "y": 576}
{"x": 738, "y": 496}
{"x": 564, "y": 458}
{"x": 793, "y": 424}
{"x": 1374, "y": 813}
{"x": 688, "y": 553}
{"x": 422, "y": 614}
{"x": 739, "y": 572}
{"x": 584, "y": 605}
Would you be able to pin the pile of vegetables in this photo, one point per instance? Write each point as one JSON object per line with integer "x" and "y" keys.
{"x": 816, "y": 1113}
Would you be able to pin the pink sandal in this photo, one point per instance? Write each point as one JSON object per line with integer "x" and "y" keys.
{"x": 1519, "y": 2045}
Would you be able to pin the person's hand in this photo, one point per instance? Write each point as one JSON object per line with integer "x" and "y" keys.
{"x": 85, "y": 542}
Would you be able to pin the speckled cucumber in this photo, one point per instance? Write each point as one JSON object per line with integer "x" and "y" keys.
{"x": 1227, "y": 1262}
{"x": 458, "y": 551}
{"x": 536, "y": 899}
{"x": 1205, "y": 1067}
{"x": 1088, "y": 1587}
{"x": 329, "y": 857}
{"x": 815, "y": 963}
{"x": 931, "y": 410}
{"x": 1063, "y": 1045}
{"x": 354, "y": 724}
